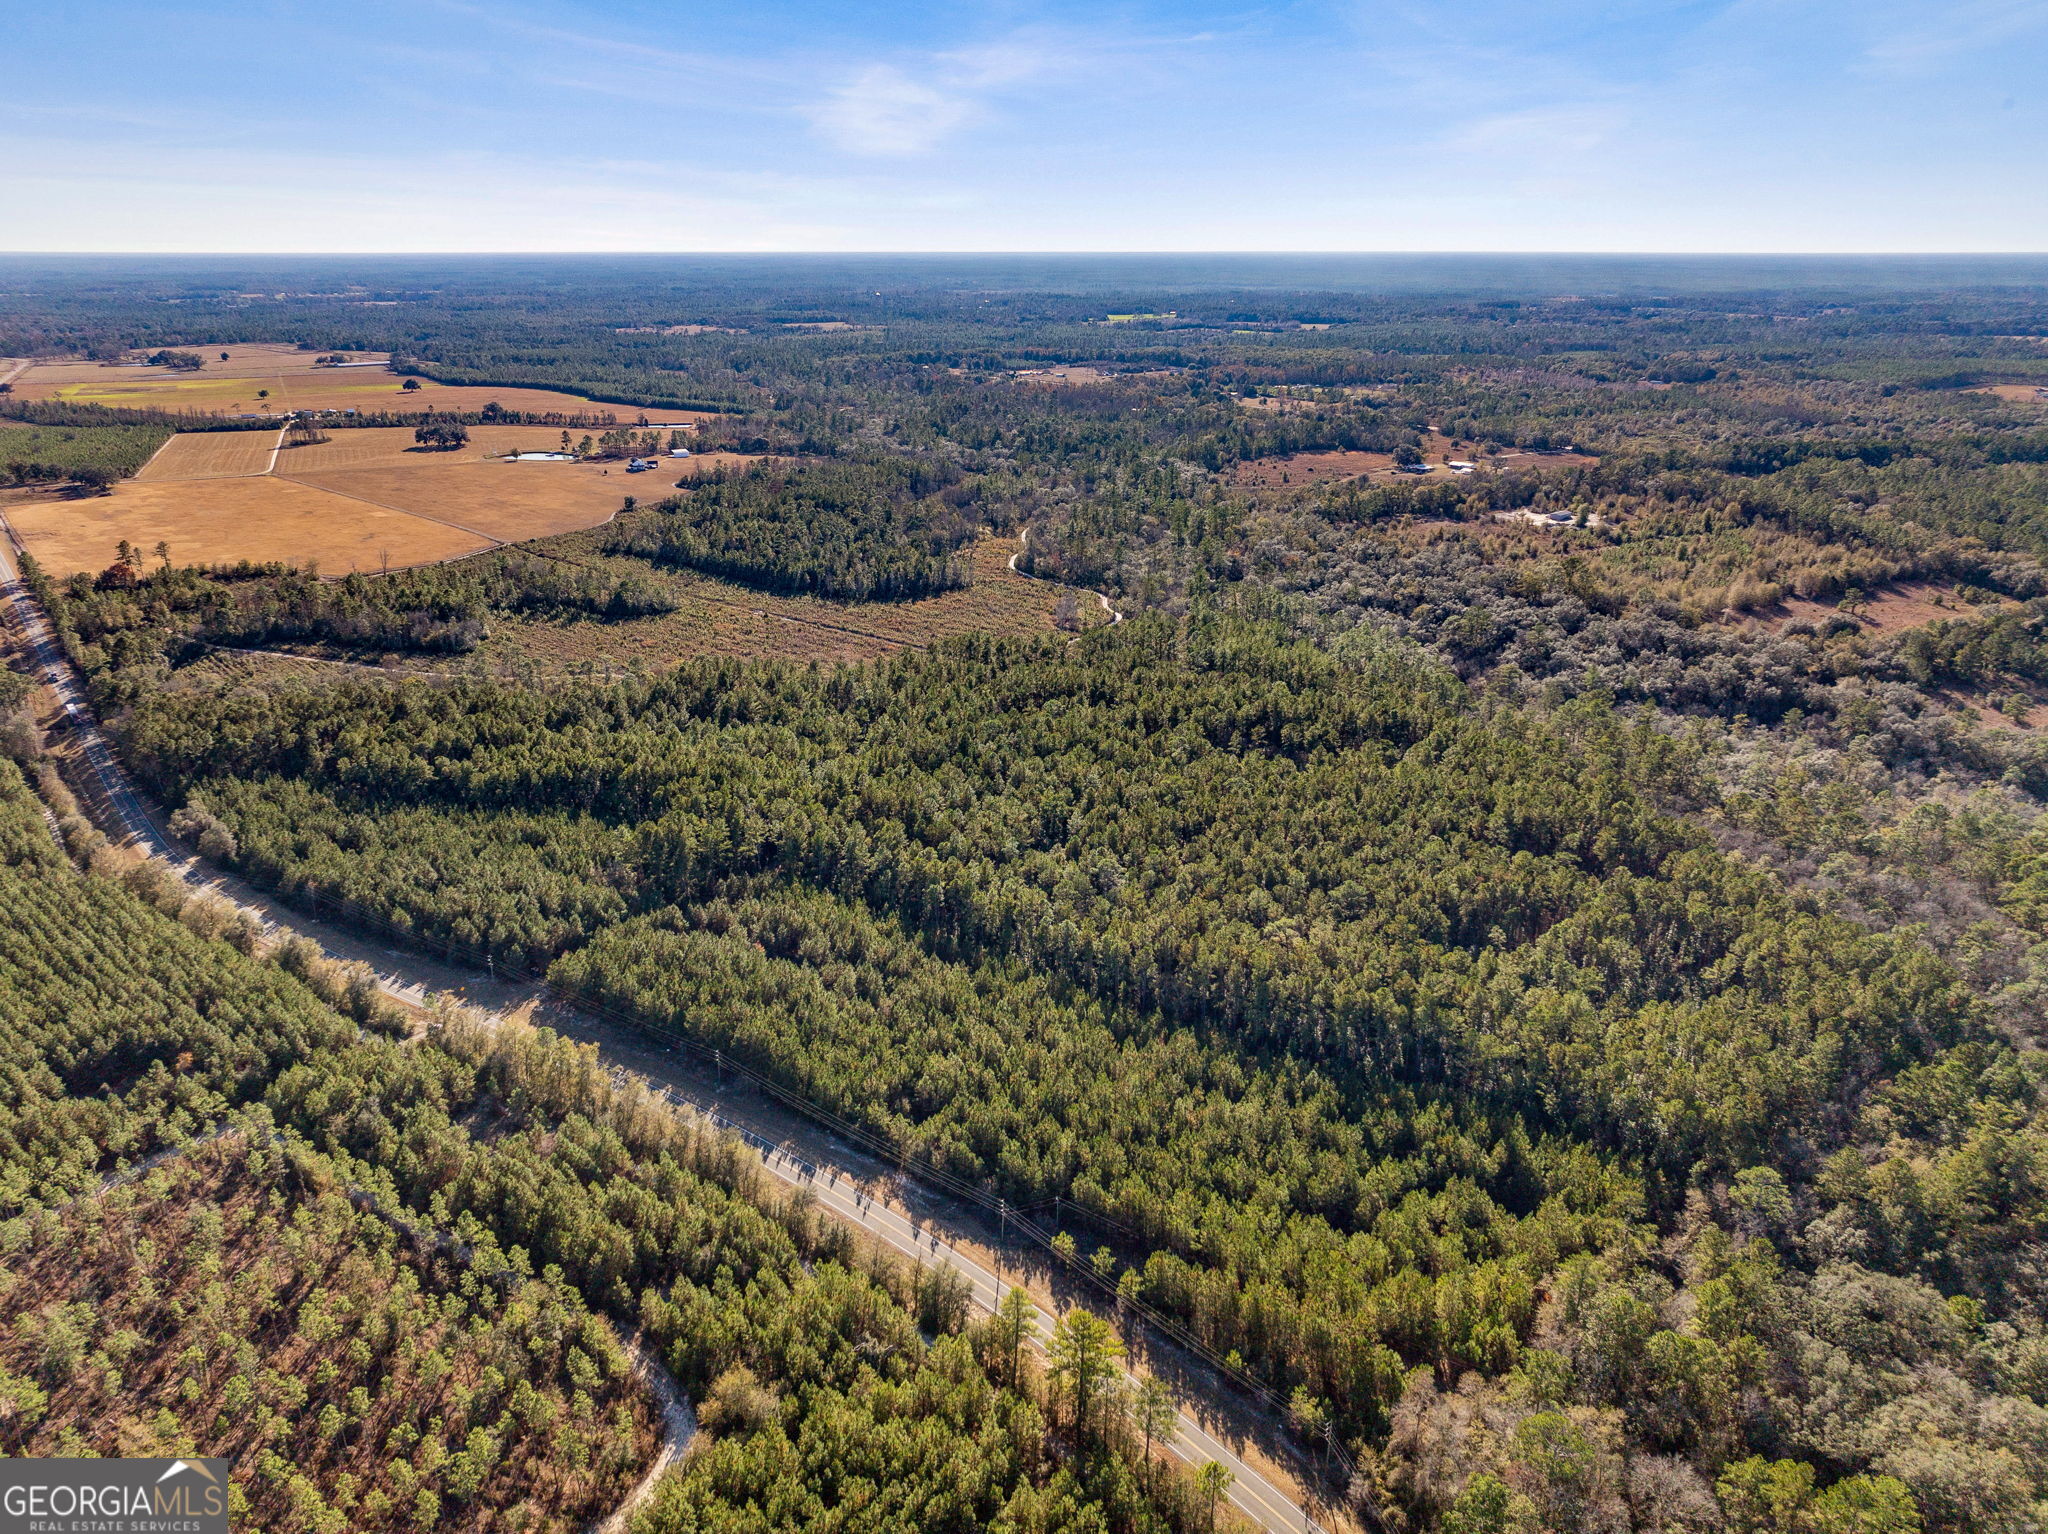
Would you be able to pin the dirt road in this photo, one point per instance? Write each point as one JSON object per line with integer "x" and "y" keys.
{"x": 917, "y": 1219}
{"x": 1024, "y": 547}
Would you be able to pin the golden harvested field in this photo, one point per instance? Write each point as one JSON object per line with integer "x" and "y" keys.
{"x": 219, "y": 521}
{"x": 505, "y": 501}
{"x": 210, "y": 455}
{"x": 368, "y": 499}
{"x": 364, "y": 389}
{"x": 2019, "y": 394}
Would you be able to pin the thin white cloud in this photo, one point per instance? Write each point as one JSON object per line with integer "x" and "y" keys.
{"x": 910, "y": 109}
{"x": 1538, "y": 131}
{"x": 1958, "y": 29}
{"x": 882, "y": 111}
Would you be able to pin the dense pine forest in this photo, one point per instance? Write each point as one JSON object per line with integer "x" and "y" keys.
{"x": 399, "y": 1277}
{"x": 1529, "y": 939}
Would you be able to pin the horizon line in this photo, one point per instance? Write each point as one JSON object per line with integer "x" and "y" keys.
{"x": 1205, "y": 251}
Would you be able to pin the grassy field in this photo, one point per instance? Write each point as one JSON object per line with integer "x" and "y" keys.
{"x": 1298, "y": 469}
{"x": 367, "y": 389}
{"x": 226, "y": 670}
{"x": 1887, "y": 609}
{"x": 507, "y": 502}
{"x": 382, "y": 447}
{"x": 247, "y": 360}
{"x": 268, "y": 379}
{"x": 210, "y": 455}
{"x": 367, "y": 499}
{"x": 219, "y": 521}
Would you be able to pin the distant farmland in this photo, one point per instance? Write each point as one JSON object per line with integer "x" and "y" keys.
{"x": 269, "y": 380}
{"x": 365, "y": 391}
{"x": 368, "y": 499}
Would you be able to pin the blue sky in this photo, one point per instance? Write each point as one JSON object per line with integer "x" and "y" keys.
{"x": 545, "y": 125}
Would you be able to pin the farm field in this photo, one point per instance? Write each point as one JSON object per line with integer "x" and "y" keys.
{"x": 368, "y": 499}
{"x": 287, "y": 380}
{"x": 502, "y": 501}
{"x": 251, "y": 360}
{"x": 393, "y": 446}
{"x": 2018, "y": 394}
{"x": 219, "y": 521}
{"x": 210, "y": 455}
